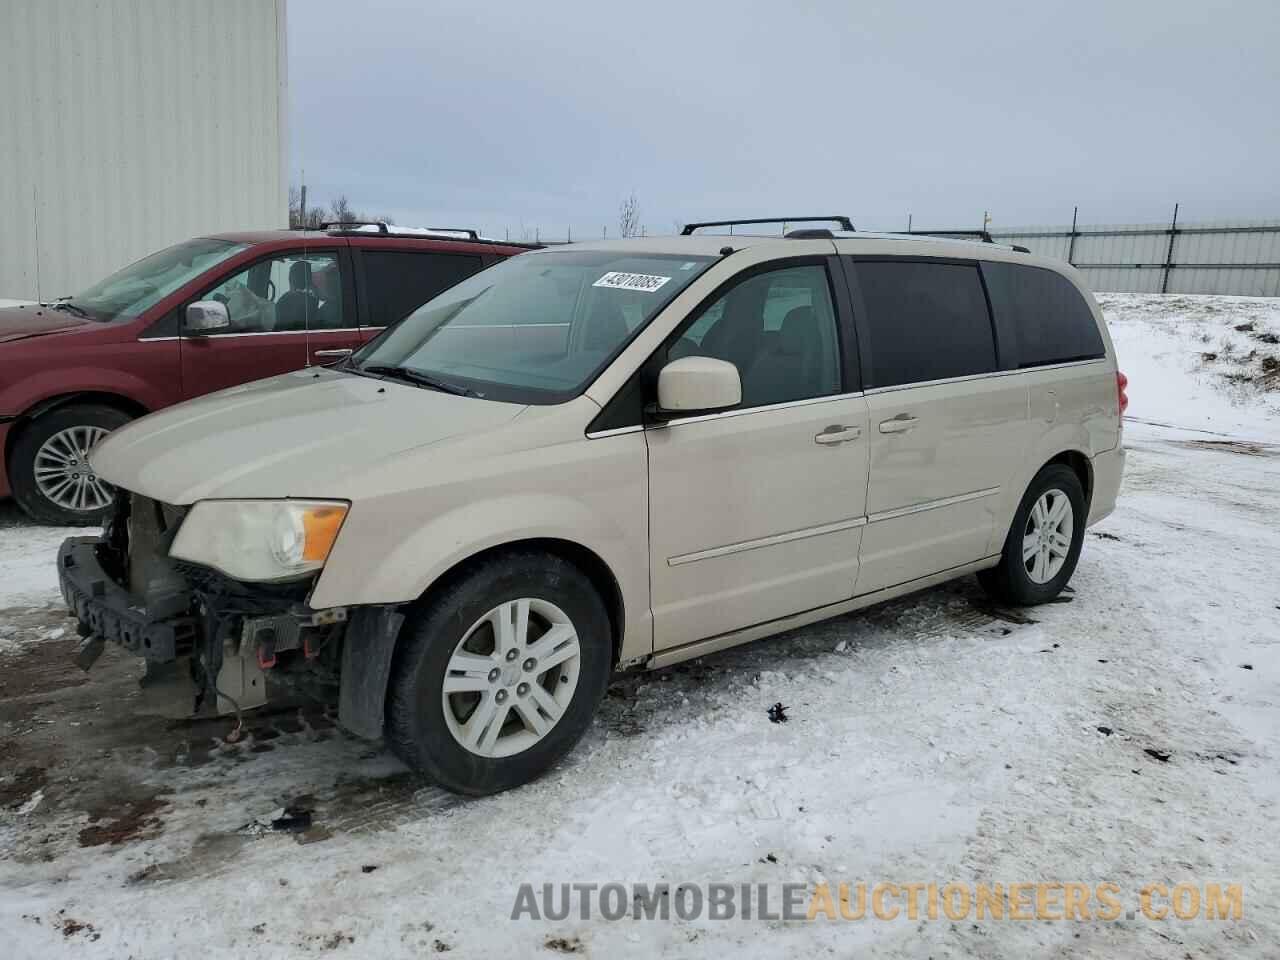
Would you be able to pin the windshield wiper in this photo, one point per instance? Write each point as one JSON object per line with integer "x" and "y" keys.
{"x": 67, "y": 305}
{"x": 418, "y": 379}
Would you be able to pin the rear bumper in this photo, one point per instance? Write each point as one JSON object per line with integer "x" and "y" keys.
{"x": 1108, "y": 471}
{"x": 107, "y": 610}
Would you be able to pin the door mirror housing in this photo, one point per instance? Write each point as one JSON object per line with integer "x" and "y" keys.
{"x": 205, "y": 317}
{"x": 696, "y": 385}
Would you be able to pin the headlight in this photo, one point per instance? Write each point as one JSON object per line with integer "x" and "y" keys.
{"x": 259, "y": 540}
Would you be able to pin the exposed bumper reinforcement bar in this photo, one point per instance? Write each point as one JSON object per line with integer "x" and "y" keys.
{"x": 107, "y": 610}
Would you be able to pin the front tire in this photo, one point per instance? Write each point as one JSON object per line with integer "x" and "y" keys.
{"x": 49, "y": 469}
{"x": 1044, "y": 541}
{"x": 499, "y": 675}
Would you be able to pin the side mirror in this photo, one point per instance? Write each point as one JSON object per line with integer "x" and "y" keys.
{"x": 695, "y": 385}
{"x": 205, "y": 317}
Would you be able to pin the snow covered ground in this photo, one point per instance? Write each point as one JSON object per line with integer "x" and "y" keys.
{"x": 1130, "y": 735}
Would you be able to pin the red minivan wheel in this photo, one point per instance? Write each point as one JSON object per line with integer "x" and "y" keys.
{"x": 49, "y": 468}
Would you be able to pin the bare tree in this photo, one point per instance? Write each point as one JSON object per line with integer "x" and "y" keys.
{"x": 629, "y": 217}
{"x": 340, "y": 210}
{"x": 298, "y": 218}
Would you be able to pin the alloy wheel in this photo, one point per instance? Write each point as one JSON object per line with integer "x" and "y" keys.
{"x": 1046, "y": 541}
{"x": 63, "y": 474}
{"x": 511, "y": 677}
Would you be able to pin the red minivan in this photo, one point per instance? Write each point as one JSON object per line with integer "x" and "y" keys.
{"x": 209, "y": 313}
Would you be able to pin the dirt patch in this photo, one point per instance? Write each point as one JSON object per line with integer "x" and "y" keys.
{"x": 1232, "y": 446}
{"x": 125, "y": 820}
{"x": 41, "y": 645}
{"x": 14, "y": 793}
{"x": 71, "y": 927}
{"x": 565, "y": 945}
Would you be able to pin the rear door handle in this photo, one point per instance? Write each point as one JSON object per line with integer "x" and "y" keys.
{"x": 899, "y": 424}
{"x": 339, "y": 352}
{"x": 838, "y": 433}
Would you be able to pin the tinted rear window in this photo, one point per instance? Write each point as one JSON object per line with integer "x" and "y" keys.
{"x": 924, "y": 321}
{"x": 397, "y": 282}
{"x": 1041, "y": 316}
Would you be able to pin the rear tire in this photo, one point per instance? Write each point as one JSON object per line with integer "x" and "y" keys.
{"x": 1043, "y": 544}
{"x": 524, "y": 643}
{"x": 48, "y": 472}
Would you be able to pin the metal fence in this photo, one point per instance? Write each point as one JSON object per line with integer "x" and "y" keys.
{"x": 1232, "y": 257}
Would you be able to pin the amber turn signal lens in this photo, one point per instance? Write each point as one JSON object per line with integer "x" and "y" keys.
{"x": 320, "y": 527}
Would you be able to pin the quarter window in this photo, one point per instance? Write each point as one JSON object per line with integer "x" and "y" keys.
{"x": 778, "y": 328}
{"x": 924, "y": 321}
{"x": 1041, "y": 316}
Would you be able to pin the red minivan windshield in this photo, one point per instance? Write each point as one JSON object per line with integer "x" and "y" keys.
{"x": 126, "y": 294}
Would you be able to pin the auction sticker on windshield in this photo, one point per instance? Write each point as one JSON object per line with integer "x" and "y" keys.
{"x": 644, "y": 282}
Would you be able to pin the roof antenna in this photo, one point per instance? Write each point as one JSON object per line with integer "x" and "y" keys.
{"x": 306, "y": 313}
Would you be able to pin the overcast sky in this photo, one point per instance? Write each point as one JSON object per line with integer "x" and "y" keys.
{"x": 547, "y": 114}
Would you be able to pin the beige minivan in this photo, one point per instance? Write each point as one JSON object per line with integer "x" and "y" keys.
{"x": 601, "y": 457}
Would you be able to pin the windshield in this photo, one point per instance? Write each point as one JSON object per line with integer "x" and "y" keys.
{"x": 536, "y": 328}
{"x": 126, "y": 294}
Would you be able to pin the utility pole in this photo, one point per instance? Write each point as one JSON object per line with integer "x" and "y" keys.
{"x": 1071, "y": 244}
{"x": 302, "y": 214}
{"x": 1168, "y": 257}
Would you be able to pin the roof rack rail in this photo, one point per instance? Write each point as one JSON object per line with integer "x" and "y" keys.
{"x": 982, "y": 235}
{"x": 339, "y": 225}
{"x": 473, "y": 234}
{"x": 845, "y": 223}
{"x": 347, "y": 227}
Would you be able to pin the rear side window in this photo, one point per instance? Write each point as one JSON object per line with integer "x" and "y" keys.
{"x": 397, "y": 282}
{"x": 924, "y": 321}
{"x": 1040, "y": 316}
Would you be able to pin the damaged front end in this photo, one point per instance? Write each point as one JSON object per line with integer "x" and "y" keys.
{"x": 215, "y": 645}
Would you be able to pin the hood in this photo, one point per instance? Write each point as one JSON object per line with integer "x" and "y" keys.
{"x": 296, "y": 435}
{"x": 35, "y": 319}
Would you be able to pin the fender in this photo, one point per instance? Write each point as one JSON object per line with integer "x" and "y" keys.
{"x": 48, "y": 389}
{"x": 1062, "y": 438}
{"x": 421, "y": 557}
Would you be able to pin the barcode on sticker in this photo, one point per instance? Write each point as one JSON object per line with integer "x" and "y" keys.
{"x": 644, "y": 282}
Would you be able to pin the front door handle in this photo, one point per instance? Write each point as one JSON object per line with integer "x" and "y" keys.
{"x": 838, "y": 433}
{"x": 339, "y": 352}
{"x": 899, "y": 424}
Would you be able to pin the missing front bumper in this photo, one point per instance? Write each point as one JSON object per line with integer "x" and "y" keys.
{"x": 110, "y": 612}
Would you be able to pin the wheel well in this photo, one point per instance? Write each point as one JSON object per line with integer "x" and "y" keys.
{"x": 113, "y": 400}
{"x": 589, "y": 562}
{"x": 1078, "y": 462}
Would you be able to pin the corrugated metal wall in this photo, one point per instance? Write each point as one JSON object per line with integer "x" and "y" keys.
{"x": 128, "y": 125}
{"x": 1228, "y": 256}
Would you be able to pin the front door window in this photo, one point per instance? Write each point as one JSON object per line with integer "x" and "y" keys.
{"x": 289, "y": 293}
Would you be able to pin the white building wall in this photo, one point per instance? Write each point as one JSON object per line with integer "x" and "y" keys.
{"x": 128, "y": 125}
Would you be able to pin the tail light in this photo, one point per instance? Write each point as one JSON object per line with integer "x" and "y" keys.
{"x": 1121, "y": 383}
